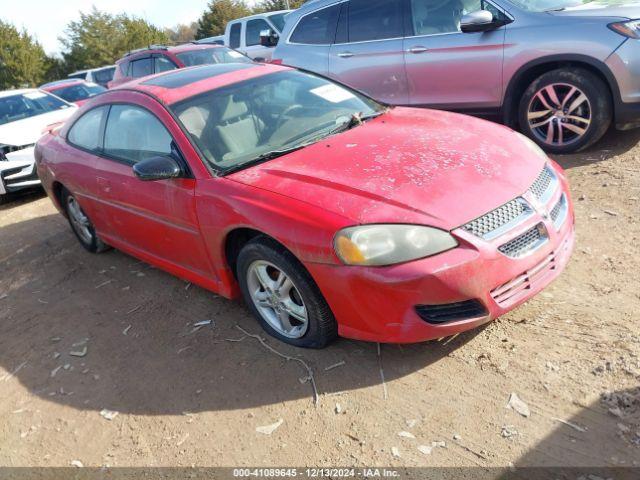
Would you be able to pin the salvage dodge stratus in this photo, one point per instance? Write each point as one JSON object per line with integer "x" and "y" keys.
{"x": 330, "y": 213}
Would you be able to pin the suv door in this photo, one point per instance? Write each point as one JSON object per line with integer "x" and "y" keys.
{"x": 368, "y": 54}
{"x": 155, "y": 218}
{"x": 450, "y": 69}
{"x": 312, "y": 38}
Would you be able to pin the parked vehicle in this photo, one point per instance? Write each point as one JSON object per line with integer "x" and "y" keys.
{"x": 559, "y": 70}
{"x": 244, "y": 34}
{"x": 218, "y": 40}
{"x": 102, "y": 76}
{"x": 330, "y": 213}
{"x": 24, "y": 115}
{"x": 160, "y": 58}
{"x": 73, "y": 91}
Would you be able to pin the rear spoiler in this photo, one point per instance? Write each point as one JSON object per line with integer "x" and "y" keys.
{"x": 53, "y": 128}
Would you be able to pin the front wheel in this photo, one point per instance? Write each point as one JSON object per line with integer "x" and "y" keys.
{"x": 566, "y": 110}
{"x": 283, "y": 297}
{"x": 81, "y": 225}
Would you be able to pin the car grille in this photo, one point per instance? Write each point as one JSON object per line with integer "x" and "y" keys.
{"x": 512, "y": 291}
{"x": 439, "y": 314}
{"x": 541, "y": 188}
{"x": 6, "y": 149}
{"x": 493, "y": 222}
{"x": 558, "y": 213}
{"x": 526, "y": 242}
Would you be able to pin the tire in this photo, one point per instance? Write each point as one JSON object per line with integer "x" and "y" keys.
{"x": 580, "y": 108}
{"x": 320, "y": 327}
{"x": 4, "y": 199}
{"x": 87, "y": 236}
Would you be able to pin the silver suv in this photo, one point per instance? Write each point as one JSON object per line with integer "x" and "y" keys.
{"x": 560, "y": 70}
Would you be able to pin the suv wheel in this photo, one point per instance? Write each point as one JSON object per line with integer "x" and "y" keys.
{"x": 566, "y": 110}
{"x": 283, "y": 297}
{"x": 81, "y": 225}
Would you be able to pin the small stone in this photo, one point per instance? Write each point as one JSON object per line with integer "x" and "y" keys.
{"x": 338, "y": 408}
{"x": 395, "y": 452}
{"x": 425, "y": 449}
{"x": 439, "y": 444}
{"x": 406, "y": 435}
{"x": 76, "y": 463}
{"x": 457, "y": 437}
{"x": 515, "y": 403}
{"x": 508, "y": 431}
{"x": 108, "y": 414}
{"x": 269, "y": 429}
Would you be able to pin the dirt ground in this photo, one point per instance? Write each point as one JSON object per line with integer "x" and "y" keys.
{"x": 186, "y": 397}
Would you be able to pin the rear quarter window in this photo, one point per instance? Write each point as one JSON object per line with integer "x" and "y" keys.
{"x": 86, "y": 133}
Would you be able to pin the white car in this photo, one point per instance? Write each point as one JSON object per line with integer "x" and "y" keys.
{"x": 24, "y": 116}
{"x": 243, "y": 34}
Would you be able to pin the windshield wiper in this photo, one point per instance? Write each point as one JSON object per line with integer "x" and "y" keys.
{"x": 265, "y": 157}
{"x": 355, "y": 120}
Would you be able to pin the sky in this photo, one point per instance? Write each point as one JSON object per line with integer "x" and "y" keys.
{"x": 46, "y": 19}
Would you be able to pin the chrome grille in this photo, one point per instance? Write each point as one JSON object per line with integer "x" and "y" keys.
{"x": 498, "y": 218}
{"x": 558, "y": 213}
{"x": 525, "y": 243}
{"x": 541, "y": 188}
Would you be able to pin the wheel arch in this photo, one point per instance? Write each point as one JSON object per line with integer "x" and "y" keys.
{"x": 532, "y": 70}
{"x": 58, "y": 189}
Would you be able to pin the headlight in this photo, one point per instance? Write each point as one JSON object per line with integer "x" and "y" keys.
{"x": 627, "y": 29}
{"x": 381, "y": 245}
{"x": 533, "y": 147}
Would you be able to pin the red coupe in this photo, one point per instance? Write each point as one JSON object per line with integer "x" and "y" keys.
{"x": 330, "y": 213}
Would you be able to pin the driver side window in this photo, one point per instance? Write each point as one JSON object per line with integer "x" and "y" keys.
{"x": 433, "y": 17}
{"x": 134, "y": 134}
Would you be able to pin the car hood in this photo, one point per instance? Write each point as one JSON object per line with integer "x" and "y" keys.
{"x": 628, "y": 10}
{"x": 28, "y": 130}
{"x": 409, "y": 165}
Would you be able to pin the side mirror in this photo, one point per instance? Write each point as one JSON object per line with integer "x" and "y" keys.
{"x": 268, "y": 38}
{"x": 478, "y": 21}
{"x": 157, "y": 168}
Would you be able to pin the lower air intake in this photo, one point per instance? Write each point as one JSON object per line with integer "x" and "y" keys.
{"x": 451, "y": 312}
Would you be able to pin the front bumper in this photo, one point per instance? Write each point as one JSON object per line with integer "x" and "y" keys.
{"x": 624, "y": 64}
{"x": 379, "y": 304}
{"x": 18, "y": 172}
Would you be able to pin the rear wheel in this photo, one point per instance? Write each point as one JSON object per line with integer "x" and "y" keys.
{"x": 81, "y": 225}
{"x": 566, "y": 110}
{"x": 283, "y": 296}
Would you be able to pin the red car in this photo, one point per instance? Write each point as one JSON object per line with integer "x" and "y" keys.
{"x": 73, "y": 90}
{"x": 158, "y": 58}
{"x": 330, "y": 213}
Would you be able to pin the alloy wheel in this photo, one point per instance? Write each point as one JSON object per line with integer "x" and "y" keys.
{"x": 277, "y": 299}
{"x": 79, "y": 220}
{"x": 559, "y": 114}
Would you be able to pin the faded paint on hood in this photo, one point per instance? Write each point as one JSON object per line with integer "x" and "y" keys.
{"x": 410, "y": 165}
{"x": 28, "y": 130}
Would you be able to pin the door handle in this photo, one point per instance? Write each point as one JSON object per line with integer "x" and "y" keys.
{"x": 417, "y": 49}
{"x": 345, "y": 54}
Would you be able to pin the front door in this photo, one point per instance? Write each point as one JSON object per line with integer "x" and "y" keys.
{"x": 159, "y": 217}
{"x": 450, "y": 69}
{"x": 368, "y": 53}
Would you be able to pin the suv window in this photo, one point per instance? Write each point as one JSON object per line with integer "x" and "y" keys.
{"x": 446, "y": 16}
{"x": 141, "y": 68}
{"x": 234, "y": 35}
{"x": 104, "y": 76}
{"x": 375, "y": 19}
{"x": 317, "y": 28}
{"x": 163, "y": 64}
{"x": 85, "y": 133}
{"x": 252, "y": 31}
{"x": 134, "y": 134}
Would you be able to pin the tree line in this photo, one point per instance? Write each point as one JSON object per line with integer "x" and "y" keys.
{"x": 98, "y": 38}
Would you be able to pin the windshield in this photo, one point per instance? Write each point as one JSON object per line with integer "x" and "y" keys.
{"x": 278, "y": 21}
{"x": 246, "y": 122}
{"x": 547, "y": 5}
{"x": 75, "y": 93}
{"x": 211, "y": 56}
{"x": 19, "y": 107}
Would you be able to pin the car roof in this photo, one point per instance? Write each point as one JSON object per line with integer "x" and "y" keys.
{"x": 21, "y": 91}
{"x": 67, "y": 82}
{"x": 184, "y": 47}
{"x": 176, "y": 85}
{"x": 260, "y": 15}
